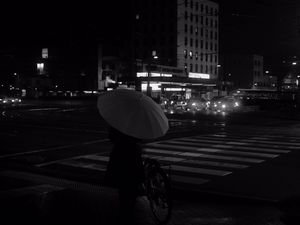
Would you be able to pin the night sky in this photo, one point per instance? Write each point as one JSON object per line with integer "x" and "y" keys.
{"x": 244, "y": 25}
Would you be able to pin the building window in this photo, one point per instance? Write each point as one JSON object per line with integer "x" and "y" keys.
{"x": 185, "y": 41}
{"x": 197, "y": 6}
{"x": 197, "y": 19}
{"x": 191, "y": 54}
{"x": 201, "y": 8}
{"x": 185, "y": 28}
{"x": 216, "y": 47}
{"x": 206, "y": 69}
{"x": 206, "y": 21}
{"x": 201, "y": 20}
{"x": 201, "y": 32}
{"x": 191, "y": 17}
{"x": 206, "y": 45}
{"x": 206, "y": 9}
{"x": 216, "y": 24}
{"x": 201, "y": 44}
{"x": 211, "y": 22}
{"x": 211, "y": 46}
{"x": 185, "y": 15}
{"x": 185, "y": 68}
{"x": 196, "y": 30}
{"x": 201, "y": 56}
{"x": 185, "y": 53}
{"x": 216, "y": 36}
{"x": 196, "y": 55}
{"x": 211, "y": 35}
{"x": 196, "y": 43}
{"x": 196, "y": 68}
{"x": 201, "y": 68}
{"x": 191, "y": 29}
{"x": 192, "y": 5}
{"x": 185, "y": 3}
{"x": 191, "y": 42}
{"x": 191, "y": 67}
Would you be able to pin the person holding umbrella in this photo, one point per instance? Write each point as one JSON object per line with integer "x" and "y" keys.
{"x": 132, "y": 117}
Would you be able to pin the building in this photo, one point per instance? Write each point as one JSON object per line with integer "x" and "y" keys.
{"x": 173, "y": 48}
{"x": 245, "y": 71}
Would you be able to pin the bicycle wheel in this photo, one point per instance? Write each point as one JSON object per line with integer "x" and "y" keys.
{"x": 159, "y": 195}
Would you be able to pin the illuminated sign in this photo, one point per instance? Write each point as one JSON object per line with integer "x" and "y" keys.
{"x": 45, "y": 53}
{"x": 145, "y": 74}
{"x": 154, "y": 86}
{"x": 174, "y": 89}
{"x": 199, "y": 75}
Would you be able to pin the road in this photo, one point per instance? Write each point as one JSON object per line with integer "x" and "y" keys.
{"x": 247, "y": 155}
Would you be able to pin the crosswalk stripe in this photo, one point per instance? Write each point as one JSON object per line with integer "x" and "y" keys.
{"x": 172, "y": 160}
{"x": 209, "y": 156}
{"x": 239, "y": 147}
{"x": 188, "y": 180}
{"x": 95, "y": 157}
{"x": 263, "y": 138}
{"x": 248, "y": 141}
{"x": 213, "y": 150}
{"x": 174, "y": 167}
{"x": 200, "y": 170}
{"x": 257, "y": 141}
{"x": 75, "y": 163}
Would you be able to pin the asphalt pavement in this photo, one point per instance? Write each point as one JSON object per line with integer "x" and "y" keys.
{"x": 33, "y": 196}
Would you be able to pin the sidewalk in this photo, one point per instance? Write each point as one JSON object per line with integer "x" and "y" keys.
{"x": 52, "y": 204}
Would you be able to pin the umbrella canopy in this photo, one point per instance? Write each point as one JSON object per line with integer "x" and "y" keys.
{"x": 133, "y": 113}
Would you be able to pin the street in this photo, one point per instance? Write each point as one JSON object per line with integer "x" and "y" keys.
{"x": 243, "y": 156}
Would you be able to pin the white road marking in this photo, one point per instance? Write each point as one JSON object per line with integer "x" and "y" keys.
{"x": 213, "y": 150}
{"x": 224, "y": 145}
{"x": 209, "y": 156}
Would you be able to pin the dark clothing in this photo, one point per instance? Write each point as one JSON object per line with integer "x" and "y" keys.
{"x": 125, "y": 166}
{"x": 125, "y": 171}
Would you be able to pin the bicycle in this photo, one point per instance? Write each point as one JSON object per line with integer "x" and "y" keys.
{"x": 157, "y": 190}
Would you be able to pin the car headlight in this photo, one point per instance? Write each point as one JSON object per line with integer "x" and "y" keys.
{"x": 223, "y": 106}
{"x": 236, "y": 104}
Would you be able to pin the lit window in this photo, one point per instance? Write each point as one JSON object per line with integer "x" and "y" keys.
{"x": 196, "y": 55}
{"x": 191, "y": 54}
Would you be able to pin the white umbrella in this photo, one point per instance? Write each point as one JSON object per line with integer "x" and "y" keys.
{"x": 133, "y": 113}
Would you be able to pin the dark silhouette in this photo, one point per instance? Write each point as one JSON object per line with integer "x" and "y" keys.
{"x": 125, "y": 172}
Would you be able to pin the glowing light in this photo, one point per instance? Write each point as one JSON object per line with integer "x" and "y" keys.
{"x": 154, "y": 86}
{"x": 145, "y": 74}
{"x": 199, "y": 75}
{"x": 174, "y": 89}
{"x": 40, "y": 66}
{"x": 294, "y": 63}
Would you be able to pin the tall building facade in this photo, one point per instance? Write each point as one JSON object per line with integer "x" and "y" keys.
{"x": 175, "y": 44}
{"x": 197, "y": 43}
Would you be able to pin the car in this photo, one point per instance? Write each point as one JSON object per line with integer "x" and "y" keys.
{"x": 5, "y": 100}
{"x": 196, "y": 104}
{"x": 224, "y": 103}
